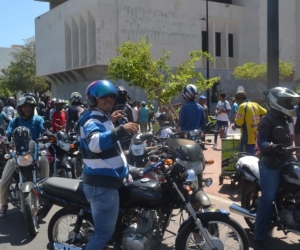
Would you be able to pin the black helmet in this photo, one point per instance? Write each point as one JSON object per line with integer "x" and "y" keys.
{"x": 25, "y": 100}
{"x": 11, "y": 101}
{"x": 122, "y": 95}
{"x": 76, "y": 98}
{"x": 162, "y": 117}
{"x": 21, "y": 136}
{"x": 41, "y": 105}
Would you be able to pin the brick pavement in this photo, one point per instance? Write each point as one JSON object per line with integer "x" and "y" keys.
{"x": 225, "y": 191}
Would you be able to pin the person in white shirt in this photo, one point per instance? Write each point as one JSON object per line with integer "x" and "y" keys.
{"x": 135, "y": 112}
{"x": 165, "y": 126}
{"x": 222, "y": 110}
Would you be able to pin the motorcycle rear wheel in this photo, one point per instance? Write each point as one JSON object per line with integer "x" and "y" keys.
{"x": 29, "y": 207}
{"x": 61, "y": 227}
{"x": 248, "y": 200}
{"x": 224, "y": 232}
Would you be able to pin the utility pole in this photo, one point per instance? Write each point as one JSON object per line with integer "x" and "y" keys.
{"x": 207, "y": 61}
{"x": 272, "y": 44}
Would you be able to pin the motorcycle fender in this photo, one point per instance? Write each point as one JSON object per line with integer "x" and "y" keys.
{"x": 63, "y": 164}
{"x": 208, "y": 215}
{"x": 27, "y": 186}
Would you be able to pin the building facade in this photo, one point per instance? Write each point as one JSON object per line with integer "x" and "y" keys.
{"x": 75, "y": 38}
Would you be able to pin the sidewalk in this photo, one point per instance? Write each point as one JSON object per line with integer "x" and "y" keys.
{"x": 213, "y": 171}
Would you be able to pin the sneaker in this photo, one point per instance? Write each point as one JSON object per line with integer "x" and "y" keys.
{"x": 3, "y": 210}
{"x": 259, "y": 245}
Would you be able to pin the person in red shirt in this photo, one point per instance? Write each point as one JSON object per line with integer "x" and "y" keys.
{"x": 59, "y": 114}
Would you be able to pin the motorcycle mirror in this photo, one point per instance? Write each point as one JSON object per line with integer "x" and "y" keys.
{"x": 47, "y": 125}
{"x": 279, "y": 133}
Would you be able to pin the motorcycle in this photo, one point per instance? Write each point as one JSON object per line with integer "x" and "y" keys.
{"x": 25, "y": 157}
{"x": 5, "y": 148}
{"x": 286, "y": 215}
{"x": 146, "y": 209}
{"x": 74, "y": 156}
{"x": 57, "y": 146}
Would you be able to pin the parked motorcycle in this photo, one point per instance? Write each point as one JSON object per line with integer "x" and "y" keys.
{"x": 286, "y": 215}
{"x": 57, "y": 146}
{"x": 5, "y": 148}
{"x": 143, "y": 217}
{"x": 25, "y": 156}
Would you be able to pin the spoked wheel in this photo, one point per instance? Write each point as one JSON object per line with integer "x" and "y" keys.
{"x": 224, "y": 232}
{"x": 249, "y": 200}
{"x": 61, "y": 227}
{"x": 30, "y": 206}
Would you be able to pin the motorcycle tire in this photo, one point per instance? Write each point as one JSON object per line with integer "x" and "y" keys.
{"x": 64, "y": 172}
{"x": 29, "y": 203}
{"x": 70, "y": 217}
{"x": 233, "y": 235}
{"x": 247, "y": 202}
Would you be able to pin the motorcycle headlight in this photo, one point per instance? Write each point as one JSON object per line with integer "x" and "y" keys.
{"x": 64, "y": 145}
{"x": 192, "y": 179}
{"x": 138, "y": 149}
{"x": 24, "y": 160}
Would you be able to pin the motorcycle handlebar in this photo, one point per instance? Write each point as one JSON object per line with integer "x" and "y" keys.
{"x": 150, "y": 168}
{"x": 291, "y": 149}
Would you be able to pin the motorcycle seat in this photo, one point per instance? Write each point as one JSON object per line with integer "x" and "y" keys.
{"x": 69, "y": 189}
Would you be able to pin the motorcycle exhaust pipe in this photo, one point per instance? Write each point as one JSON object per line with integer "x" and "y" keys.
{"x": 236, "y": 209}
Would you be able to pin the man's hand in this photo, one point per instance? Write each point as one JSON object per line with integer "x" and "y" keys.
{"x": 130, "y": 127}
{"x": 116, "y": 115}
{"x": 279, "y": 148}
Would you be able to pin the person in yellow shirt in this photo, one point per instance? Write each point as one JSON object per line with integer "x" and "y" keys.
{"x": 247, "y": 119}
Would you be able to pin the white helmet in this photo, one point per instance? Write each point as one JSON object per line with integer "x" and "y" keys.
{"x": 190, "y": 92}
{"x": 283, "y": 100}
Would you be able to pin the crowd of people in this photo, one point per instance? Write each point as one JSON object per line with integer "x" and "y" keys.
{"x": 111, "y": 116}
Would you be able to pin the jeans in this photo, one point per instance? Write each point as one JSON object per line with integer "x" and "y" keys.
{"x": 269, "y": 182}
{"x": 249, "y": 148}
{"x": 8, "y": 174}
{"x": 219, "y": 124}
{"x": 105, "y": 208}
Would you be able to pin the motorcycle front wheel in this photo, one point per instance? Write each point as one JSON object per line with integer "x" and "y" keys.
{"x": 30, "y": 206}
{"x": 61, "y": 227}
{"x": 224, "y": 232}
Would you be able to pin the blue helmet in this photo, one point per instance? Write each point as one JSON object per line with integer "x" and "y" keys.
{"x": 98, "y": 89}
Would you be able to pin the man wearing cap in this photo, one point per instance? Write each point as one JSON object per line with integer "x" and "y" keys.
{"x": 247, "y": 119}
{"x": 297, "y": 125}
{"x": 202, "y": 100}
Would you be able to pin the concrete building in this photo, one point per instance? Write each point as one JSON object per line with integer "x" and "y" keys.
{"x": 75, "y": 38}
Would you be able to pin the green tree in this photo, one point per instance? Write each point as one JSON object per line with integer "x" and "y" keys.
{"x": 258, "y": 72}
{"x": 20, "y": 75}
{"x": 136, "y": 66}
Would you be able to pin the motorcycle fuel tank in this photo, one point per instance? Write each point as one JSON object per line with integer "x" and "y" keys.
{"x": 291, "y": 173}
{"x": 144, "y": 193}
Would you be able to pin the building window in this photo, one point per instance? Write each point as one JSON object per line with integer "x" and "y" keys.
{"x": 204, "y": 41}
{"x": 218, "y": 44}
{"x": 230, "y": 45}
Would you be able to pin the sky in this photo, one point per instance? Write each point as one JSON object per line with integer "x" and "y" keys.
{"x": 17, "y": 20}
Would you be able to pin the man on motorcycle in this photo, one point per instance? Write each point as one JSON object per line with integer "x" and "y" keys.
{"x": 272, "y": 157}
{"x": 59, "y": 114}
{"x": 191, "y": 114}
{"x": 105, "y": 166}
{"x": 3, "y": 116}
{"x": 9, "y": 110}
{"x": 74, "y": 111}
{"x": 26, "y": 118}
